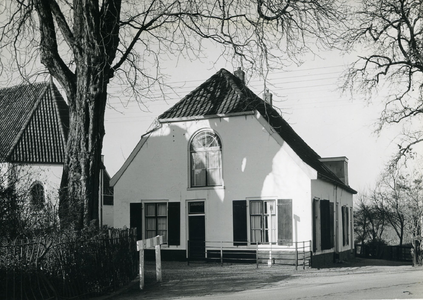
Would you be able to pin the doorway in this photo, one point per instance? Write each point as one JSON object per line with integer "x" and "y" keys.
{"x": 196, "y": 231}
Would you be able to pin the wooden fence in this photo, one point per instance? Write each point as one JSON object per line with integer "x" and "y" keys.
{"x": 395, "y": 253}
{"x": 67, "y": 267}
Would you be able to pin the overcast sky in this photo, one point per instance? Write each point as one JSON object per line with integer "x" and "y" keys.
{"x": 307, "y": 95}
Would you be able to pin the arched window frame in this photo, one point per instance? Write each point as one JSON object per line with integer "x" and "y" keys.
{"x": 205, "y": 149}
{"x": 37, "y": 193}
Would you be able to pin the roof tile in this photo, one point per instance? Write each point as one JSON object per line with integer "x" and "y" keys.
{"x": 34, "y": 121}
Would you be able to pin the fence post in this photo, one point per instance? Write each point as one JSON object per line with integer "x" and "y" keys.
{"x": 221, "y": 253}
{"x": 296, "y": 255}
{"x": 256, "y": 255}
{"x": 304, "y": 256}
{"x": 158, "y": 264}
{"x": 140, "y": 246}
{"x": 311, "y": 255}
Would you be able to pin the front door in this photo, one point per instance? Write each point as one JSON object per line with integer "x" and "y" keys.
{"x": 197, "y": 230}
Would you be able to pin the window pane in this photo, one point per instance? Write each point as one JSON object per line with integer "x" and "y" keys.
{"x": 255, "y": 222}
{"x": 161, "y": 224}
{"x": 150, "y": 209}
{"x": 256, "y": 236}
{"x": 211, "y": 140}
{"x": 196, "y": 207}
{"x": 255, "y": 207}
{"x": 198, "y": 160}
{"x": 199, "y": 178}
{"x": 214, "y": 177}
{"x": 214, "y": 159}
{"x": 150, "y": 224}
{"x": 161, "y": 209}
{"x": 198, "y": 169}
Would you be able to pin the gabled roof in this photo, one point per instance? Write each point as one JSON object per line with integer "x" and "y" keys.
{"x": 226, "y": 94}
{"x": 34, "y": 121}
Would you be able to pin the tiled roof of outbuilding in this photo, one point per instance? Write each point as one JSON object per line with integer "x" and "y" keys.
{"x": 34, "y": 120}
{"x": 223, "y": 94}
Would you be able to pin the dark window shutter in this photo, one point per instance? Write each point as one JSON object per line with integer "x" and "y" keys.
{"x": 135, "y": 218}
{"x": 345, "y": 225}
{"x": 347, "y": 222}
{"x": 325, "y": 224}
{"x": 174, "y": 223}
{"x": 332, "y": 225}
{"x": 285, "y": 222}
{"x": 240, "y": 222}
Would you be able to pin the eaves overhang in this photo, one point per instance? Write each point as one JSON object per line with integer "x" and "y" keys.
{"x": 206, "y": 117}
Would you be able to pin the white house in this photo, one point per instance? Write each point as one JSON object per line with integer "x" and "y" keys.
{"x": 34, "y": 121}
{"x": 224, "y": 168}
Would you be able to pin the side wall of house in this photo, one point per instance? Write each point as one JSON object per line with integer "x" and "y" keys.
{"x": 341, "y": 214}
{"x": 257, "y": 165}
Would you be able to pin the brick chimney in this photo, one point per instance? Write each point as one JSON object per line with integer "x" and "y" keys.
{"x": 338, "y": 165}
{"x": 240, "y": 74}
{"x": 268, "y": 97}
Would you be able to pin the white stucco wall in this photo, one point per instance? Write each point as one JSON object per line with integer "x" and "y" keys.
{"x": 47, "y": 174}
{"x": 257, "y": 164}
{"x": 326, "y": 191}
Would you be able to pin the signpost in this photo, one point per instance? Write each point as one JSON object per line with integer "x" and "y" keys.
{"x": 150, "y": 243}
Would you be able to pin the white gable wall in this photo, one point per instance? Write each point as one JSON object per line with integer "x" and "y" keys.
{"x": 257, "y": 164}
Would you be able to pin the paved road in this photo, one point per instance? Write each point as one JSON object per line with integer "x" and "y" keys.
{"x": 246, "y": 282}
{"x": 395, "y": 283}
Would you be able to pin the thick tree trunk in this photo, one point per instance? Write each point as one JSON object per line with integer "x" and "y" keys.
{"x": 93, "y": 40}
{"x": 80, "y": 179}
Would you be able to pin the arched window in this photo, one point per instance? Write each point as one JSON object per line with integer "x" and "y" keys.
{"x": 37, "y": 195}
{"x": 206, "y": 159}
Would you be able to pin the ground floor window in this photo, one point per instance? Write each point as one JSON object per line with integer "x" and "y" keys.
{"x": 160, "y": 218}
{"x": 262, "y": 221}
{"x": 156, "y": 220}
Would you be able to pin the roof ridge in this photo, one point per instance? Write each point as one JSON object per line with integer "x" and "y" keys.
{"x": 29, "y": 117}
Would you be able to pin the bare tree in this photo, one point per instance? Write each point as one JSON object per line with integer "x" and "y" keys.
{"x": 369, "y": 220}
{"x": 84, "y": 44}
{"x": 390, "y": 36}
{"x": 399, "y": 196}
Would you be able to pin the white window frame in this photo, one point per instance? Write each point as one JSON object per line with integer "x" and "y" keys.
{"x": 266, "y": 217}
{"x": 208, "y": 183}
{"x": 145, "y": 205}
